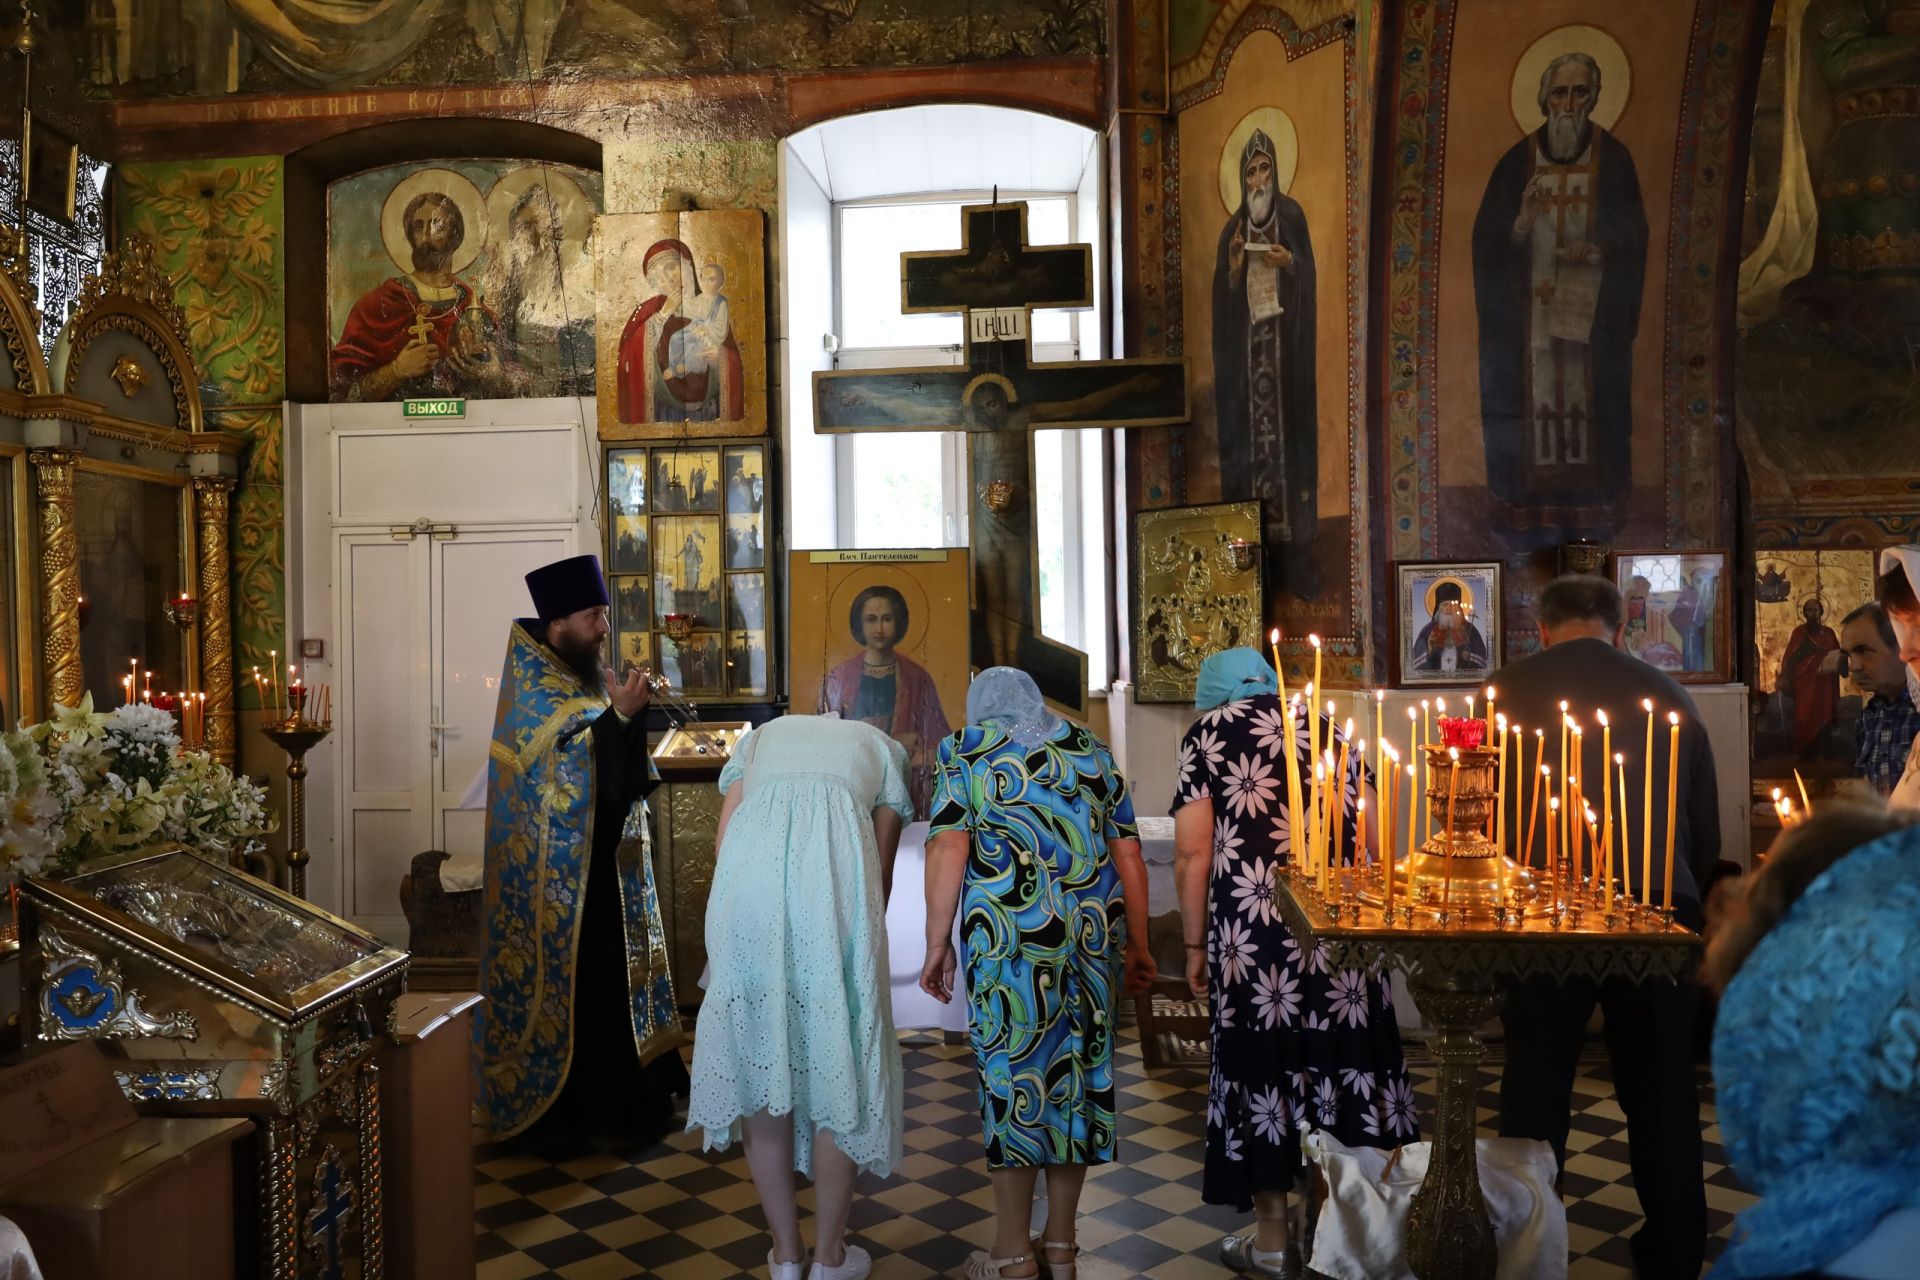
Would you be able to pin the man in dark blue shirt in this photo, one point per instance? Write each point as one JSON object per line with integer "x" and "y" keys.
{"x": 1649, "y": 1025}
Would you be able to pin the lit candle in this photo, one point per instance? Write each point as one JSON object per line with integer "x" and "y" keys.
{"x": 1646, "y": 815}
{"x": 1470, "y": 709}
{"x": 1414, "y": 801}
{"x": 1296, "y": 834}
{"x": 296, "y": 693}
{"x": 1592, "y": 834}
{"x": 1578, "y": 799}
{"x": 1673, "y": 798}
{"x": 126, "y": 690}
{"x": 1606, "y": 798}
{"x": 1340, "y": 793}
{"x": 1500, "y": 794}
{"x": 1618, "y": 888}
{"x": 1359, "y": 834}
{"x": 1572, "y": 833}
{"x": 1453, "y": 793}
{"x": 1490, "y": 716}
{"x": 1543, "y": 781}
{"x": 1273, "y": 638}
{"x": 1413, "y": 775}
{"x": 1566, "y": 769}
{"x": 1313, "y": 726}
{"x": 147, "y": 693}
{"x": 273, "y": 674}
{"x": 1315, "y": 867}
{"x": 1379, "y": 735}
{"x": 1388, "y": 828}
{"x": 1553, "y": 844}
{"x": 1360, "y": 793}
{"x": 1332, "y": 805}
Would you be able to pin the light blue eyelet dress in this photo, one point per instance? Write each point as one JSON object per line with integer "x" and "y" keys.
{"x": 798, "y": 1015}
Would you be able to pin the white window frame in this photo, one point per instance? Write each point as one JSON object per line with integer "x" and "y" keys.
{"x": 1083, "y": 453}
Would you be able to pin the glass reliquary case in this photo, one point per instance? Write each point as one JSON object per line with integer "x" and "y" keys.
{"x": 215, "y": 988}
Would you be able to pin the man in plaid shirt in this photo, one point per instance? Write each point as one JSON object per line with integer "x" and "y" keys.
{"x": 1871, "y": 655}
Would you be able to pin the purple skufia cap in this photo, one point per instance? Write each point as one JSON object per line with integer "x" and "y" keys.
{"x": 566, "y": 587}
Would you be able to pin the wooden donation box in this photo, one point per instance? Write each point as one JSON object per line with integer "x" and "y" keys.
{"x": 217, "y": 994}
{"x": 100, "y": 1193}
{"x": 686, "y": 820}
{"x": 426, "y": 1087}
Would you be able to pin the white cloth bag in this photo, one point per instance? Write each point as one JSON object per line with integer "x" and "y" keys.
{"x": 1362, "y": 1228}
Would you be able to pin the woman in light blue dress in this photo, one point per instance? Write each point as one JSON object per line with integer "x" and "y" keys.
{"x": 795, "y": 1045}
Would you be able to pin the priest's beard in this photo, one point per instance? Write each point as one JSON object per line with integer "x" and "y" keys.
{"x": 1567, "y": 136}
{"x": 1260, "y": 205}
{"x": 583, "y": 659}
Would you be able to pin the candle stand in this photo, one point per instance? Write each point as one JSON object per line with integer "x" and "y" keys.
{"x": 297, "y": 735}
{"x": 1466, "y": 871}
{"x": 1456, "y": 961}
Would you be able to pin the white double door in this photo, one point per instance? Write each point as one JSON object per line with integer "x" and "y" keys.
{"x": 413, "y": 543}
{"x": 423, "y": 636}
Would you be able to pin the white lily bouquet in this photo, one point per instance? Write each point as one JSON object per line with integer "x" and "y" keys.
{"x": 86, "y": 784}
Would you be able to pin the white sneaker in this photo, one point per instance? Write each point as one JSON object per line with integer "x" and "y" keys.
{"x": 858, "y": 1264}
{"x": 787, "y": 1270}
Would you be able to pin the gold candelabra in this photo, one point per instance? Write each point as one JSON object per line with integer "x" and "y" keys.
{"x": 297, "y": 735}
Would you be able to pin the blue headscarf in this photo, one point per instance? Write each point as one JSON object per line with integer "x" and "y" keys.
{"x": 1007, "y": 699}
{"x": 1816, "y": 1055}
{"x": 1233, "y": 674}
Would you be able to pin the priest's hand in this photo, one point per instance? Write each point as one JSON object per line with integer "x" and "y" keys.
{"x": 629, "y": 696}
{"x": 936, "y": 975}
{"x": 1237, "y": 251}
{"x": 1279, "y": 257}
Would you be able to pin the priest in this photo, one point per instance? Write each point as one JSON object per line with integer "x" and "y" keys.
{"x": 580, "y": 1024}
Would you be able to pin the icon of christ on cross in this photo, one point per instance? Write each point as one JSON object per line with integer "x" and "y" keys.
{"x": 1000, "y": 397}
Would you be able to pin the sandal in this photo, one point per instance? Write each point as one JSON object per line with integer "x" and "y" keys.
{"x": 1238, "y": 1252}
{"x": 982, "y": 1267}
{"x": 1057, "y": 1270}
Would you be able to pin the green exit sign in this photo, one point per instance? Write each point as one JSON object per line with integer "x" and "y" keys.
{"x": 433, "y": 408}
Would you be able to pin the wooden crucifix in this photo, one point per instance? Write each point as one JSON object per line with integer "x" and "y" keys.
{"x": 1000, "y": 397}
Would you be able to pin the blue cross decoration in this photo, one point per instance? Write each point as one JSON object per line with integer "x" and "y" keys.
{"x": 80, "y": 1001}
{"x": 333, "y": 1198}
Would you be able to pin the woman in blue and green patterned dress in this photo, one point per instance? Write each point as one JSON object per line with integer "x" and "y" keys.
{"x": 1030, "y": 815}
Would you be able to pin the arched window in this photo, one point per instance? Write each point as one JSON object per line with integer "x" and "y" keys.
{"x": 856, "y": 193}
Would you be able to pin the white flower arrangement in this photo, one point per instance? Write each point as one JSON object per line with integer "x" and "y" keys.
{"x": 85, "y": 784}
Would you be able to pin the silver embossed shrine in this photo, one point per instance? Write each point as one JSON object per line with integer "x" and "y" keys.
{"x": 222, "y": 995}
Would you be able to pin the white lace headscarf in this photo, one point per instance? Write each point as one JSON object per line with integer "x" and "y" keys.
{"x": 1907, "y": 560}
{"x": 1007, "y": 699}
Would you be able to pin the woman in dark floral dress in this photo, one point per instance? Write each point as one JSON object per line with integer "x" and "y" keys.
{"x": 1295, "y": 1045}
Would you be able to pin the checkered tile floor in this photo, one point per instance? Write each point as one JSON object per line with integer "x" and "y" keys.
{"x": 587, "y": 1212}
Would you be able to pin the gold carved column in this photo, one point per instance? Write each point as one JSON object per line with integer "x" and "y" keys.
{"x": 59, "y": 574}
{"x": 211, "y": 496}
